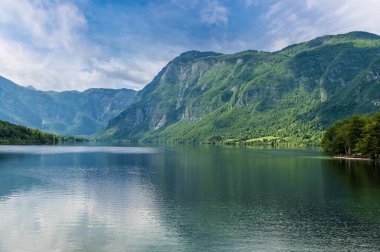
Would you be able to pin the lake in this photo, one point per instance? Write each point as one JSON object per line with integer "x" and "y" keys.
{"x": 185, "y": 198}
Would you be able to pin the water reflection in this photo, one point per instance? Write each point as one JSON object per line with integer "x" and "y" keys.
{"x": 361, "y": 179}
{"x": 185, "y": 198}
{"x": 64, "y": 149}
{"x": 356, "y": 173}
{"x": 244, "y": 200}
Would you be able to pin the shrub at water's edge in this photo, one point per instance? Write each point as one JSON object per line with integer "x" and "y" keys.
{"x": 357, "y": 136}
{"x": 16, "y": 134}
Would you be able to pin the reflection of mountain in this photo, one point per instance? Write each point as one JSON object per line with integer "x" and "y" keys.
{"x": 361, "y": 179}
{"x": 356, "y": 174}
{"x": 185, "y": 198}
{"x": 11, "y": 183}
{"x": 16, "y": 184}
{"x": 247, "y": 200}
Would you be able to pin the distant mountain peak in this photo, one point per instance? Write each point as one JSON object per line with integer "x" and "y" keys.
{"x": 359, "y": 35}
{"x": 336, "y": 39}
{"x": 193, "y": 55}
{"x": 292, "y": 94}
{"x": 344, "y": 37}
{"x": 31, "y": 87}
{"x": 67, "y": 112}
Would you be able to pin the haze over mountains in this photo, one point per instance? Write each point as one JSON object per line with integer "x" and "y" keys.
{"x": 290, "y": 95}
{"x": 65, "y": 113}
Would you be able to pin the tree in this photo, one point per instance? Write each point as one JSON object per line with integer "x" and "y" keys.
{"x": 369, "y": 144}
{"x": 357, "y": 135}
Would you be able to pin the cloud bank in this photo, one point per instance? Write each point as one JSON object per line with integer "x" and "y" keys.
{"x": 44, "y": 44}
{"x": 65, "y": 45}
{"x": 290, "y": 21}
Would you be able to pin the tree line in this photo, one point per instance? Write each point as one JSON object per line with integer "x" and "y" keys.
{"x": 357, "y": 136}
{"x": 15, "y": 134}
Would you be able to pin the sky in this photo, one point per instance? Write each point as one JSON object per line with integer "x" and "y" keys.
{"x": 80, "y": 44}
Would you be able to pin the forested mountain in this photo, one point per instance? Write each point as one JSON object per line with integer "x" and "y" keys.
{"x": 64, "y": 113}
{"x": 15, "y": 134}
{"x": 291, "y": 95}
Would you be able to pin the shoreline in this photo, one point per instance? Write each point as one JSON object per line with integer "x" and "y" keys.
{"x": 355, "y": 158}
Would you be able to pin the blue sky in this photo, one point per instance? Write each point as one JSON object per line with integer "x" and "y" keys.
{"x": 80, "y": 44}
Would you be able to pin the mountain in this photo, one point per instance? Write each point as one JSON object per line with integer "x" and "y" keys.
{"x": 64, "y": 113}
{"x": 290, "y": 95}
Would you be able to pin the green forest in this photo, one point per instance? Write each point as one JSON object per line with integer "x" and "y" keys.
{"x": 256, "y": 98}
{"x": 15, "y": 134}
{"x": 357, "y": 136}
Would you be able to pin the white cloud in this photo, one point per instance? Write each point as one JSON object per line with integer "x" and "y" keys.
{"x": 348, "y": 15}
{"x": 251, "y": 2}
{"x": 132, "y": 73}
{"x": 47, "y": 43}
{"x": 213, "y": 12}
{"x": 186, "y": 4}
{"x": 45, "y": 24}
{"x": 292, "y": 21}
{"x": 43, "y": 43}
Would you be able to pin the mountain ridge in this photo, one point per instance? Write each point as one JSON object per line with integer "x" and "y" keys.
{"x": 64, "y": 113}
{"x": 243, "y": 96}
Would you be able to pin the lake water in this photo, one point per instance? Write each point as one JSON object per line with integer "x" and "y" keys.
{"x": 185, "y": 198}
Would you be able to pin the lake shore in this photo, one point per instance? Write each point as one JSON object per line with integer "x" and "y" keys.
{"x": 354, "y": 158}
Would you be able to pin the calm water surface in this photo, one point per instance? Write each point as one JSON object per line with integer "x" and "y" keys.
{"x": 185, "y": 198}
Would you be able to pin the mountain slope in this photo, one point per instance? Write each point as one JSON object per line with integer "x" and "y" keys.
{"x": 15, "y": 134}
{"x": 293, "y": 94}
{"x": 64, "y": 113}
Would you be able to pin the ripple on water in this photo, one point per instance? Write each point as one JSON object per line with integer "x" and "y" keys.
{"x": 196, "y": 199}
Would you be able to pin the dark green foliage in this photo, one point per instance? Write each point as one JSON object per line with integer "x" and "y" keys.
{"x": 291, "y": 96}
{"x": 14, "y": 134}
{"x": 369, "y": 143}
{"x": 355, "y": 136}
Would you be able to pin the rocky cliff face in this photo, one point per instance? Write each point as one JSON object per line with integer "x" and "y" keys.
{"x": 294, "y": 93}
